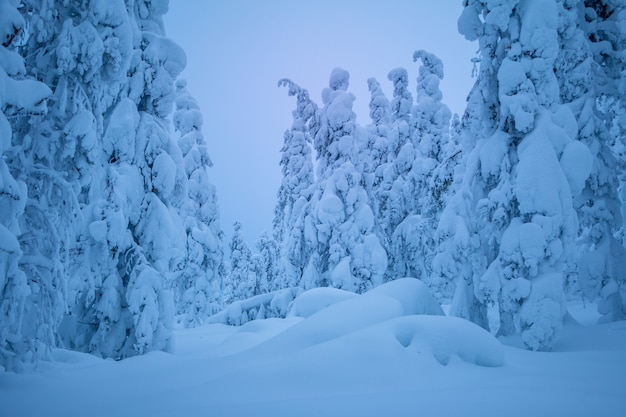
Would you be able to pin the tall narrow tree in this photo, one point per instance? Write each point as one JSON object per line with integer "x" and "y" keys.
{"x": 296, "y": 187}
{"x": 198, "y": 284}
{"x": 242, "y": 281}
{"x": 423, "y": 193}
{"x": 340, "y": 226}
{"x": 591, "y": 68}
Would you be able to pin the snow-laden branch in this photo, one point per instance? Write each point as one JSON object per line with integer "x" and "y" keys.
{"x": 430, "y": 62}
{"x": 305, "y": 107}
{"x": 294, "y": 88}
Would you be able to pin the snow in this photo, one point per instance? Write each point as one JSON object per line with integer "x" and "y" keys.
{"x": 431, "y": 64}
{"x": 339, "y": 79}
{"x": 81, "y": 127}
{"x": 491, "y": 153}
{"x": 316, "y": 299}
{"x": 341, "y": 275}
{"x": 164, "y": 51}
{"x": 540, "y": 178}
{"x": 12, "y": 62}
{"x": 543, "y": 311}
{"x": 576, "y": 162}
{"x": 412, "y": 294}
{"x": 524, "y": 244}
{"x": 8, "y": 244}
{"x": 118, "y": 139}
{"x": 164, "y": 175}
{"x": 340, "y": 109}
{"x": 277, "y": 302}
{"x": 361, "y": 356}
{"x": 150, "y": 245}
{"x": 10, "y": 20}
{"x": 500, "y": 12}
{"x": 370, "y": 256}
{"x": 5, "y": 132}
{"x": 539, "y": 19}
{"x": 517, "y": 94}
{"x": 22, "y": 96}
{"x": 469, "y": 23}
{"x": 330, "y": 208}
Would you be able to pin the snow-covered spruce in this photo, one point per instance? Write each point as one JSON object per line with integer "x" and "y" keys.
{"x": 107, "y": 186}
{"x": 509, "y": 231}
{"x": 241, "y": 282}
{"x": 198, "y": 285}
{"x": 590, "y": 69}
{"x": 394, "y": 163}
{"x": 25, "y": 333}
{"x": 296, "y": 189}
{"x": 340, "y": 223}
{"x": 425, "y": 186}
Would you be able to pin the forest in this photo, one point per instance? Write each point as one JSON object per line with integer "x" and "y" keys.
{"x": 499, "y": 219}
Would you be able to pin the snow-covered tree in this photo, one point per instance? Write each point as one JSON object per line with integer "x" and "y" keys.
{"x": 380, "y": 108}
{"x": 82, "y": 60}
{"x": 378, "y": 144}
{"x": 340, "y": 224}
{"x": 105, "y": 181}
{"x": 136, "y": 220}
{"x": 25, "y": 332}
{"x": 269, "y": 271}
{"x": 425, "y": 186}
{"x": 402, "y": 102}
{"x": 513, "y": 219}
{"x": 391, "y": 206}
{"x": 198, "y": 285}
{"x": 591, "y": 73}
{"x": 431, "y": 118}
{"x": 242, "y": 280}
{"x": 296, "y": 186}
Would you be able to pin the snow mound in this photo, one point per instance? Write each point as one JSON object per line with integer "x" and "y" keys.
{"x": 74, "y": 357}
{"x": 251, "y": 334}
{"x": 335, "y": 321}
{"x": 448, "y": 336}
{"x": 396, "y": 318}
{"x": 412, "y": 294}
{"x": 440, "y": 336}
{"x": 316, "y": 299}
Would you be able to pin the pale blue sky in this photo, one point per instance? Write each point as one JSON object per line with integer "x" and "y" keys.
{"x": 237, "y": 50}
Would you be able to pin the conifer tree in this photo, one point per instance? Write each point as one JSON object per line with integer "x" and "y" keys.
{"x": 391, "y": 206}
{"x": 296, "y": 188}
{"x": 107, "y": 171}
{"x": 591, "y": 74}
{"x": 242, "y": 281}
{"x": 340, "y": 224}
{"x": 378, "y": 143}
{"x": 24, "y": 334}
{"x": 423, "y": 193}
{"x": 199, "y": 282}
{"x": 515, "y": 222}
{"x": 269, "y": 272}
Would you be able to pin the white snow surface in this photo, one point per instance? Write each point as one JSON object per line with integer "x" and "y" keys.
{"x": 361, "y": 355}
{"x": 316, "y": 299}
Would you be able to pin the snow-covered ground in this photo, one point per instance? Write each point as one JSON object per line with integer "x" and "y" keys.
{"x": 368, "y": 355}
